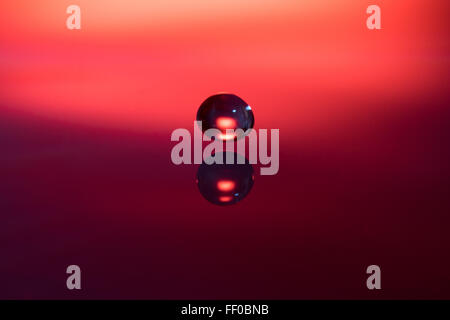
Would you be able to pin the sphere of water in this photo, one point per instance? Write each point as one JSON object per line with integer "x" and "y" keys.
{"x": 226, "y": 111}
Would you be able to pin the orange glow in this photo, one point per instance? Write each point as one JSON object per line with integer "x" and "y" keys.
{"x": 225, "y": 185}
{"x": 226, "y": 123}
{"x": 225, "y": 198}
{"x": 224, "y": 136}
{"x": 118, "y": 71}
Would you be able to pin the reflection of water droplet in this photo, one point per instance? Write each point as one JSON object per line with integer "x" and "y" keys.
{"x": 225, "y": 184}
{"x": 225, "y": 111}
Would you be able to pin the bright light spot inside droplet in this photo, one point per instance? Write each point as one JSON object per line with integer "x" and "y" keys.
{"x": 225, "y": 185}
{"x": 224, "y": 136}
{"x": 225, "y": 198}
{"x": 225, "y": 123}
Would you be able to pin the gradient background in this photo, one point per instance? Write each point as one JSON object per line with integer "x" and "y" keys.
{"x": 85, "y": 170}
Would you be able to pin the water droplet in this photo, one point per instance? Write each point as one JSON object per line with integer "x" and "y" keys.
{"x": 225, "y": 111}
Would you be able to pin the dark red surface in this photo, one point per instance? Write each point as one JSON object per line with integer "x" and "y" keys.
{"x": 112, "y": 203}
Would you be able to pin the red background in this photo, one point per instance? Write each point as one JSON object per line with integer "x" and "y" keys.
{"x": 85, "y": 171}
